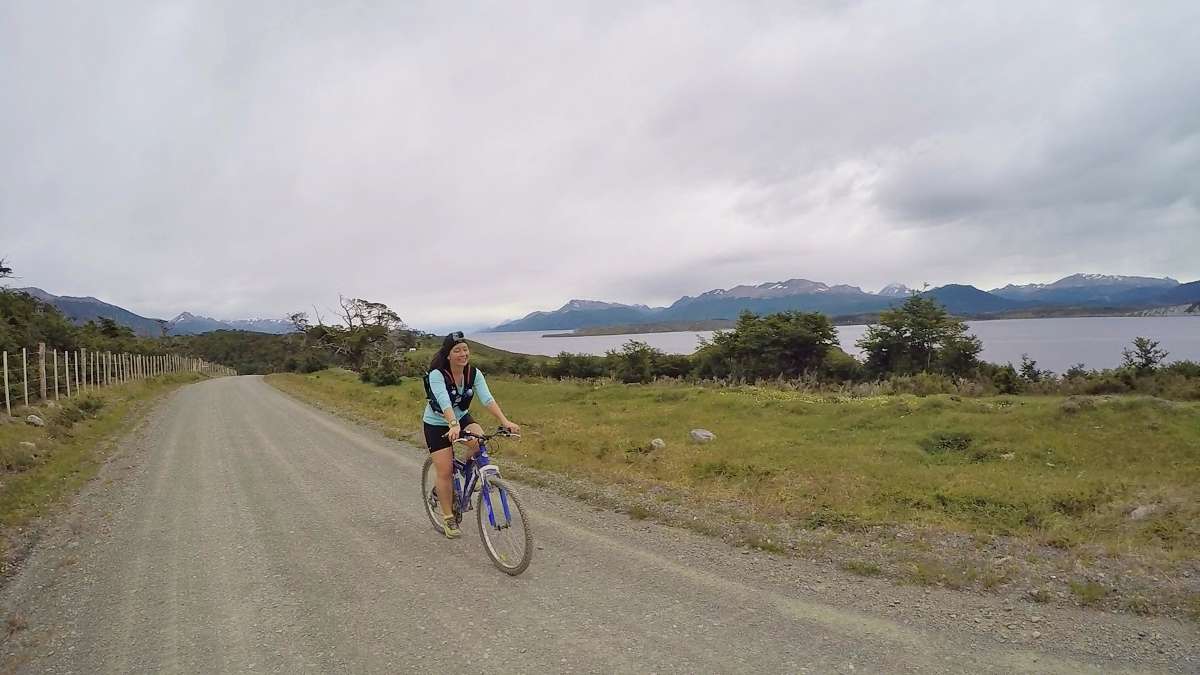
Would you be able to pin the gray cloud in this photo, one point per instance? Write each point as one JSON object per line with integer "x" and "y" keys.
{"x": 467, "y": 164}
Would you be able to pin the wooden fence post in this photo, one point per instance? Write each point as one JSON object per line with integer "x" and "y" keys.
{"x": 7, "y": 405}
{"x": 42, "y": 369}
{"x": 25, "y": 373}
{"x": 55, "y": 374}
{"x": 67, "y": 367}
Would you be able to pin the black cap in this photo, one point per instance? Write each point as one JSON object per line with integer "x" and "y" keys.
{"x": 453, "y": 339}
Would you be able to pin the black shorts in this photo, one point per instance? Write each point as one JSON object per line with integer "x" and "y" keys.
{"x": 435, "y": 434}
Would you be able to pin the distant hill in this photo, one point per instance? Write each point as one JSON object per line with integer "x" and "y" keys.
{"x": 968, "y": 300}
{"x": 272, "y": 326}
{"x": 83, "y": 310}
{"x": 191, "y": 324}
{"x": 1091, "y": 290}
{"x": 1072, "y": 295}
{"x": 581, "y": 314}
{"x": 1182, "y": 294}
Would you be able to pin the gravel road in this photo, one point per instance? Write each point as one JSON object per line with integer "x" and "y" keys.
{"x": 237, "y": 529}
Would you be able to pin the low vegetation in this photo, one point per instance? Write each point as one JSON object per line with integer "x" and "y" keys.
{"x": 1011, "y": 465}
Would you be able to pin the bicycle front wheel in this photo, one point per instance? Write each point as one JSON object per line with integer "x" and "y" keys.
{"x": 503, "y": 527}
{"x": 429, "y": 497}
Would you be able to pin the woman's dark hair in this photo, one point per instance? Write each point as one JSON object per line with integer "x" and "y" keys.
{"x": 441, "y": 359}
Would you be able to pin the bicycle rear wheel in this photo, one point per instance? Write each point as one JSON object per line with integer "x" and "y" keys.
{"x": 503, "y": 527}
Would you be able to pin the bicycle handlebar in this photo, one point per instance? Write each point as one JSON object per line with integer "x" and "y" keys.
{"x": 501, "y": 432}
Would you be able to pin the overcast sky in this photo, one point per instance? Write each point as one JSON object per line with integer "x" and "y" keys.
{"x": 467, "y": 163}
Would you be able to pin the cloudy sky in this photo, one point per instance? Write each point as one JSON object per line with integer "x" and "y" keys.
{"x": 470, "y": 162}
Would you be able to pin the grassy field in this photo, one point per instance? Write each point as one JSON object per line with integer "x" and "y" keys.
{"x": 69, "y": 450}
{"x": 1063, "y": 472}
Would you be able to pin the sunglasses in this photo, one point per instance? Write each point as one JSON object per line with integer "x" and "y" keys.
{"x": 456, "y": 335}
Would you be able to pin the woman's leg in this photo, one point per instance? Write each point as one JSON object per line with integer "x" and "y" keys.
{"x": 443, "y": 461}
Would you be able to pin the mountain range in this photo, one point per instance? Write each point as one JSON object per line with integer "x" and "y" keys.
{"x": 1078, "y": 293}
{"x": 83, "y": 309}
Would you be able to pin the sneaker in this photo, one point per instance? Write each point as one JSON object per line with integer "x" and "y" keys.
{"x": 450, "y": 528}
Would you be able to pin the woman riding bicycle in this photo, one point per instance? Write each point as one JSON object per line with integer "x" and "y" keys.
{"x": 450, "y": 387}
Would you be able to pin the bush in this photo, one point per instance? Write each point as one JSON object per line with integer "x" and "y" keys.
{"x": 1110, "y": 382}
{"x": 923, "y": 384}
{"x": 387, "y": 372}
{"x": 786, "y": 344}
{"x": 841, "y": 367}
{"x": 582, "y": 366}
{"x": 89, "y": 404}
{"x": 1188, "y": 369}
{"x": 634, "y": 363}
{"x": 944, "y": 442}
{"x": 1076, "y": 404}
{"x": 1006, "y": 380}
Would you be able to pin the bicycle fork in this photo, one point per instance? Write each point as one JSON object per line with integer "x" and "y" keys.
{"x": 489, "y": 500}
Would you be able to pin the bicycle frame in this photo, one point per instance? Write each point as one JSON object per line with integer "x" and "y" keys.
{"x": 479, "y": 466}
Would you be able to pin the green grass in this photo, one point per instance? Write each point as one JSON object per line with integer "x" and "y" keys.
{"x": 69, "y": 449}
{"x": 1012, "y": 465}
{"x": 1088, "y": 593}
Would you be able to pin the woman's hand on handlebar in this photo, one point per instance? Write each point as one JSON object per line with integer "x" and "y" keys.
{"x": 454, "y": 432}
{"x": 513, "y": 427}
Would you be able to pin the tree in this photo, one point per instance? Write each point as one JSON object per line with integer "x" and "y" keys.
{"x": 371, "y": 334}
{"x": 634, "y": 362}
{"x": 1030, "y": 372}
{"x": 920, "y": 336}
{"x": 787, "y": 344}
{"x": 1145, "y": 356}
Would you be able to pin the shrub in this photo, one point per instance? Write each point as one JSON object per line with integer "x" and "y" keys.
{"x": 1006, "y": 380}
{"x": 1076, "y": 371}
{"x": 1089, "y": 593}
{"x": 944, "y": 442}
{"x": 90, "y": 404}
{"x": 1110, "y": 382}
{"x": 786, "y": 344}
{"x": 634, "y": 362}
{"x": 1187, "y": 369}
{"x": 1076, "y": 404}
{"x": 387, "y": 372}
{"x": 582, "y": 366}
{"x": 924, "y": 384}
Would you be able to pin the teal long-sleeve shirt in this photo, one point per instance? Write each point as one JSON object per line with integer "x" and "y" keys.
{"x": 437, "y": 383}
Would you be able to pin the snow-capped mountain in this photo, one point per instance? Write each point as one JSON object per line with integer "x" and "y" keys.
{"x": 1091, "y": 289}
{"x": 895, "y": 291}
{"x": 191, "y": 324}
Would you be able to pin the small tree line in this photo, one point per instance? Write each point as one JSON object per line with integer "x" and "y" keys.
{"x": 916, "y": 348}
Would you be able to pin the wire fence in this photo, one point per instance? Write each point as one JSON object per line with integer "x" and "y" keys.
{"x": 43, "y": 375}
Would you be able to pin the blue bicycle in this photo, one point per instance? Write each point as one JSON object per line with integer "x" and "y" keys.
{"x": 503, "y": 527}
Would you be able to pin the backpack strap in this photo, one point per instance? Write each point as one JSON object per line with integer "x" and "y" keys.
{"x": 429, "y": 395}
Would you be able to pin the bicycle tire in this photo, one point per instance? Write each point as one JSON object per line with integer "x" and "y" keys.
{"x": 502, "y": 487}
{"x": 428, "y": 481}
